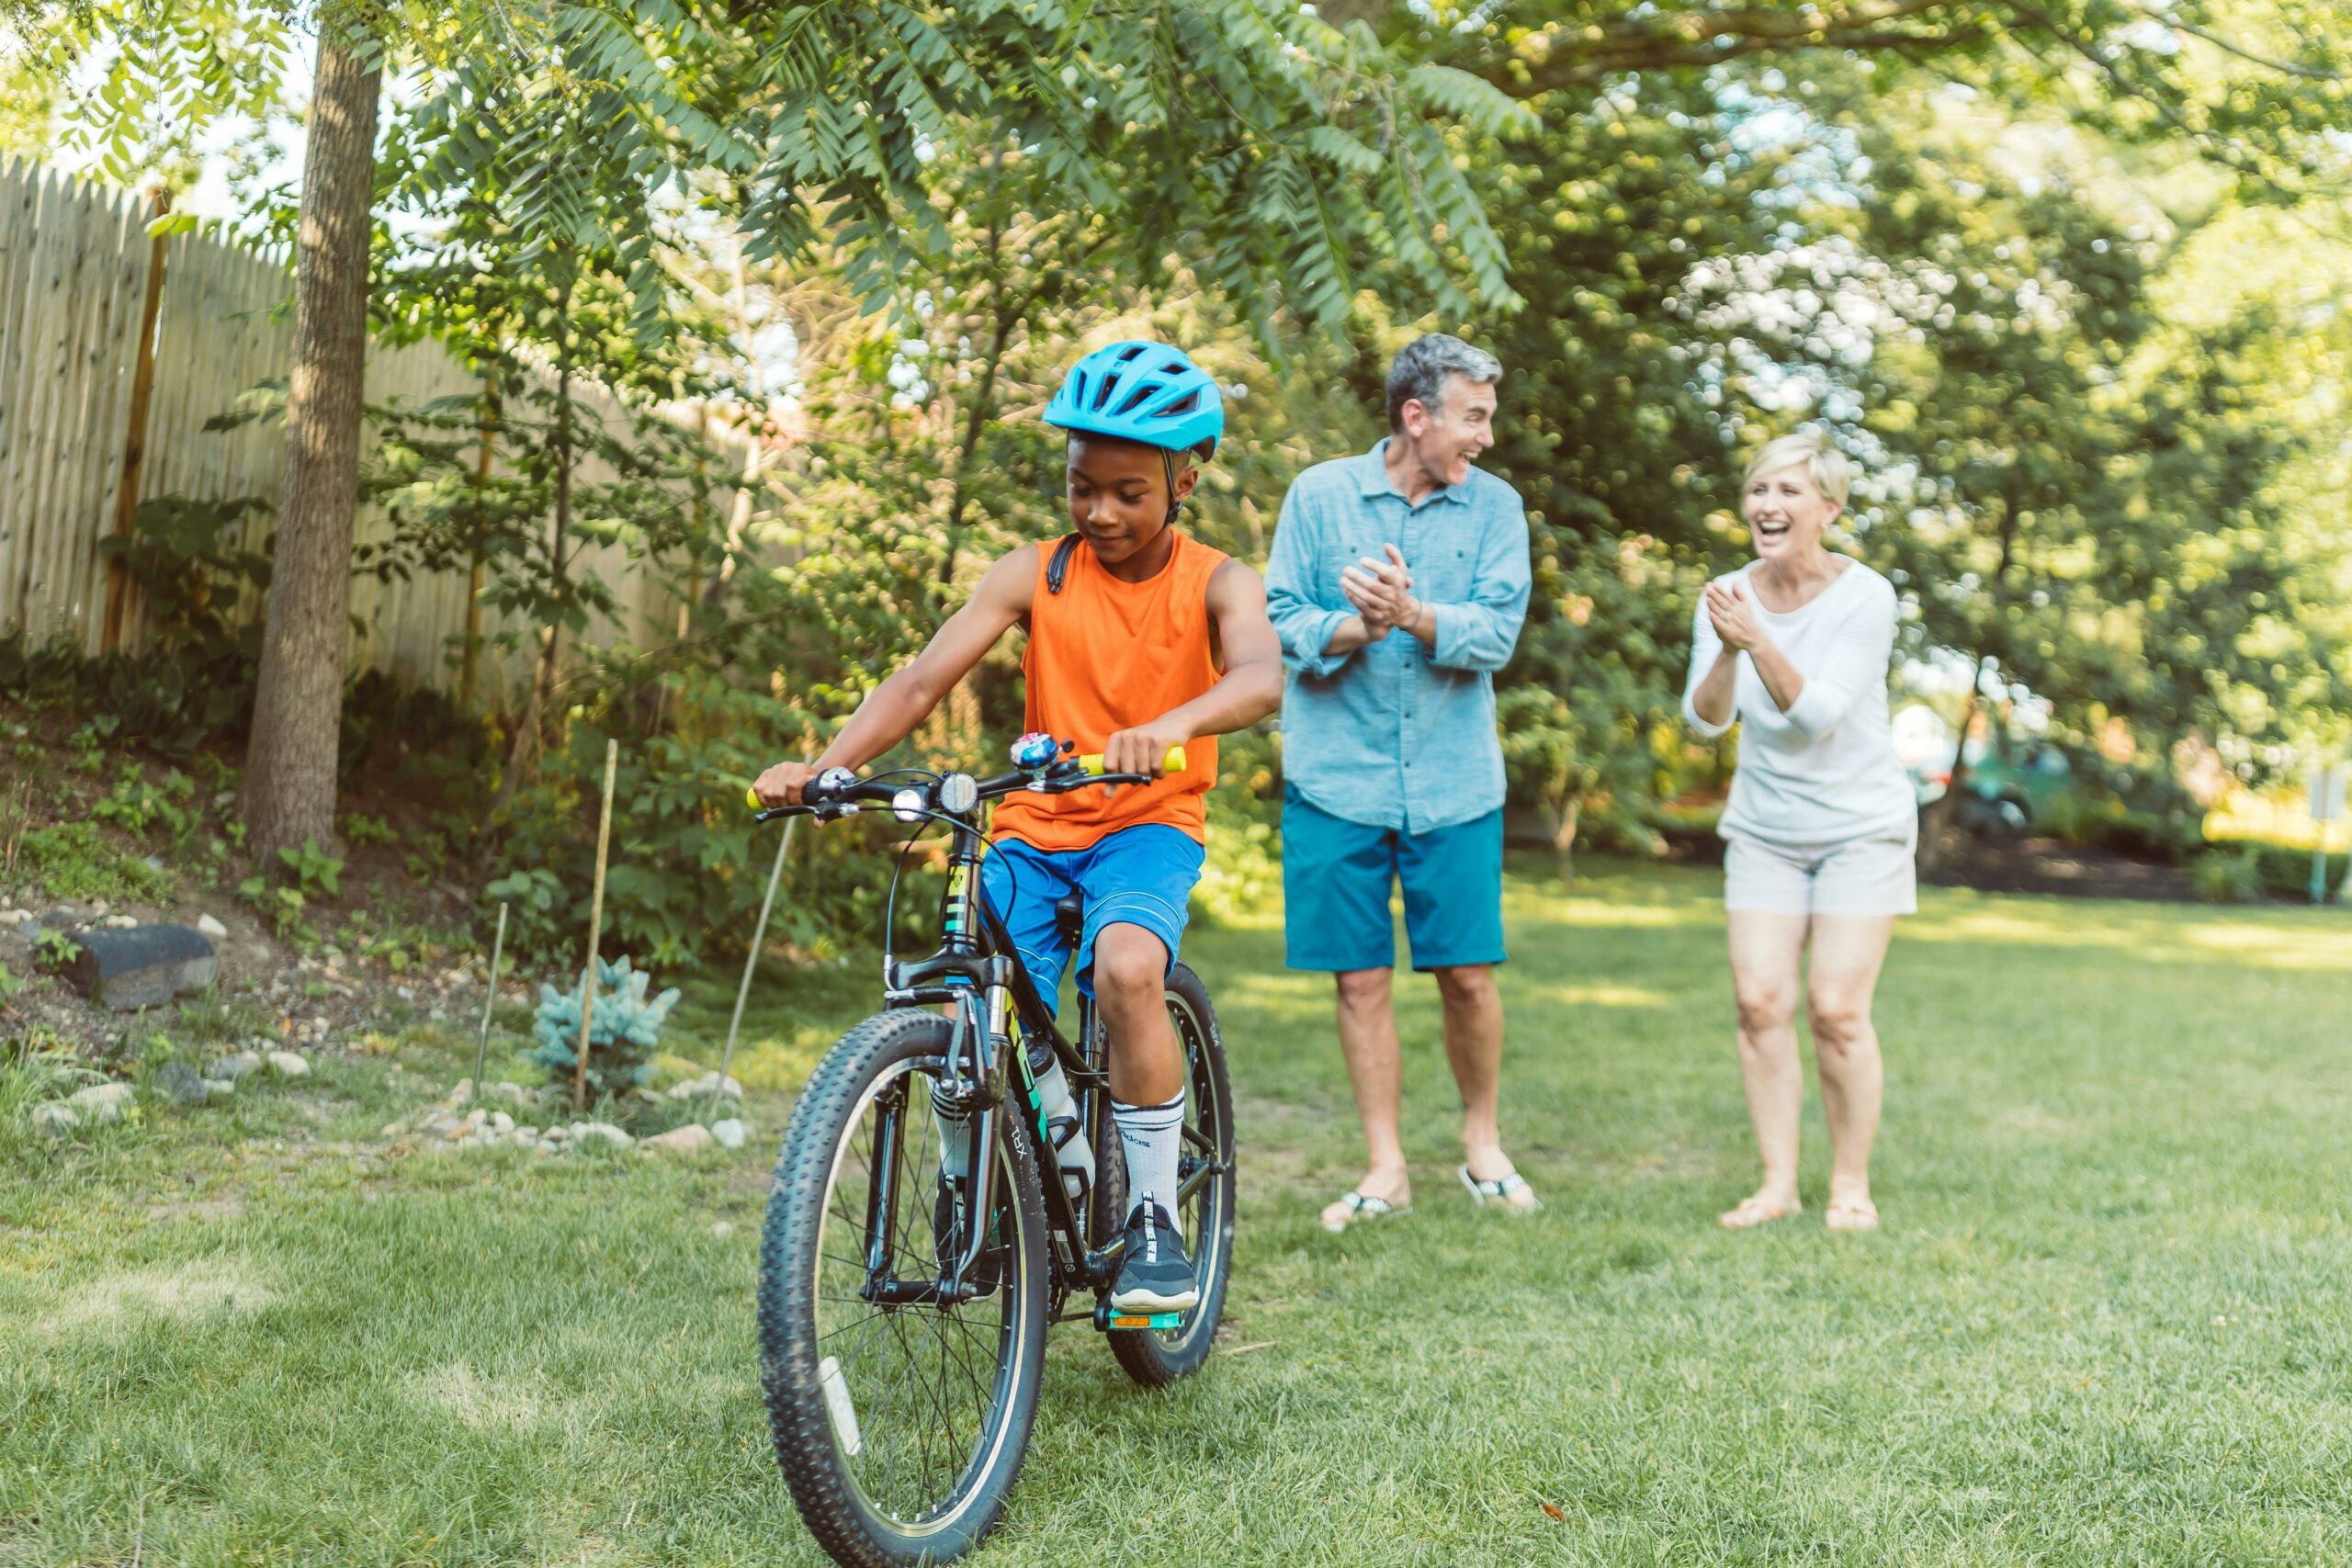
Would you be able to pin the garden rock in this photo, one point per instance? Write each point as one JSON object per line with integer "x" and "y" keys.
{"x": 14, "y": 917}
{"x": 219, "y": 1088}
{"x": 286, "y": 1064}
{"x": 55, "y": 1119}
{"x": 145, "y": 966}
{"x": 121, "y": 922}
{"x": 103, "y": 1102}
{"x": 730, "y": 1134}
{"x": 234, "y": 1066}
{"x": 590, "y": 1132}
{"x": 211, "y": 926}
{"x": 695, "y": 1088}
{"x": 687, "y": 1139}
{"x": 181, "y": 1084}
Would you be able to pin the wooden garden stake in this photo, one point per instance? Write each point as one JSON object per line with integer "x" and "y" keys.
{"x": 595, "y": 928}
{"x": 751, "y": 963}
{"x": 481, "y": 1047}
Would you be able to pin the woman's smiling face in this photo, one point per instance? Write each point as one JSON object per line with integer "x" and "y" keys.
{"x": 1786, "y": 513}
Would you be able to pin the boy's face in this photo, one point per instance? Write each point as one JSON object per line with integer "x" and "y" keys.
{"x": 1118, "y": 494}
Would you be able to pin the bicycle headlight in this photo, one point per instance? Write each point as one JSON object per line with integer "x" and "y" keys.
{"x": 906, "y": 806}
{"x": 958, "y": 793}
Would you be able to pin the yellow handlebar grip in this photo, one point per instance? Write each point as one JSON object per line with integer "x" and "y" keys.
{"x": 752, "y": 798}
{"x": 1174, "y": 762}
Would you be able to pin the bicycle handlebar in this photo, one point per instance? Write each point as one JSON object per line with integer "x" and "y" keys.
{"x": 1054, "y": 779}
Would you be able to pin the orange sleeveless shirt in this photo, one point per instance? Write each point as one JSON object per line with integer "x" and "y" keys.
{"x": 1106, "y": 654}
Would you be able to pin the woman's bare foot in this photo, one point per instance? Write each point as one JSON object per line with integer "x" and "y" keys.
{"x": 1760, "y": 1207}
{"x": 1379, "y": 1195}
{"x": 1850, "y": 1209}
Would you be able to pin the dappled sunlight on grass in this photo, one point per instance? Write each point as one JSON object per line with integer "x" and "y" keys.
{"x": 1598, "y": 995}
{"x": 2103, "y": 1322}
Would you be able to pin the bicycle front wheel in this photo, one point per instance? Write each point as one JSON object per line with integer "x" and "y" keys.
{"x": 899, "y": 1420}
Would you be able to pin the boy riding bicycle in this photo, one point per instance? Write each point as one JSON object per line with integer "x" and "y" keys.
{"x": 1141, "y": 640}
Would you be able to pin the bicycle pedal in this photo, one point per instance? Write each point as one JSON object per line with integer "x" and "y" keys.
{"x": 1105, "y": 1319}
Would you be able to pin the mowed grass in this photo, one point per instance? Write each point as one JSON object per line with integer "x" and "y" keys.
{"x": 2106, "y": 1321}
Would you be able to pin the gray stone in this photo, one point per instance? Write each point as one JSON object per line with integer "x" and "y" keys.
{"x": 181, "y": 1084}
{"x": 694, "y": 1088}
{"x": 121, "y": 922}
{"x": 142, "y": 967}
{"x": 103, "y": 1102}
{"x": 219, "y": 1088}
{"x": 730, "y": 1132}
{"x": 590, "y": 1132}
{"x": 211, "y": 926}
{"x": 54, "y": 1120}
{"x": 235, "y": 1065}
{"x": 683, "y": 1140}
{"x": 286, "y": 1064}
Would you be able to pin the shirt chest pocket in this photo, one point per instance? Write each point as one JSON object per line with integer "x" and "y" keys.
{"x": 1446, "y": 568}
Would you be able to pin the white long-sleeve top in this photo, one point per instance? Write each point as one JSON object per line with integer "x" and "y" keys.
{"x": 1825, "y": 772}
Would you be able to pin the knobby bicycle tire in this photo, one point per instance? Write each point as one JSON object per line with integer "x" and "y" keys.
{"x": 830, "y": 1490}
{"x": 1158, "y": 1359}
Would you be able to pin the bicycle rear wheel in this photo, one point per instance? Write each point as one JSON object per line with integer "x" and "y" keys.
{"x": 1157, "y": 1356}
{"x": 899, "y": 1422}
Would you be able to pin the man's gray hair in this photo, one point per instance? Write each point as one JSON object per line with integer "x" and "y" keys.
{"x": 1418, "y": 373}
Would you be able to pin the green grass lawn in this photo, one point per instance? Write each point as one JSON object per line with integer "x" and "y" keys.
{"x": 2106, "y": 1321}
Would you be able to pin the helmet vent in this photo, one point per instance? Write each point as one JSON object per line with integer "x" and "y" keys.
{"x": 1182, "y": 405}
{"x": 1136, "y": 398}
{"x": 1130, "y": 352}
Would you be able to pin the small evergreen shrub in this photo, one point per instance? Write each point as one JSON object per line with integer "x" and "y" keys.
{"x": 622, "y": 1033}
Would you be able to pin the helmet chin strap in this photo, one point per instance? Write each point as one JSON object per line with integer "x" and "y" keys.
{"x": 1167, "y": 467}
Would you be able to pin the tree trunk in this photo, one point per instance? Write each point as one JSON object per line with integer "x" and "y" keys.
{"x": 1935, "y": 819}
{"x": 1564, "y": 837}
{"x": 298, "y": 707}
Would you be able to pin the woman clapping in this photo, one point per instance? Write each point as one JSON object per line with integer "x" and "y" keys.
{"x": 1821, "y": 824}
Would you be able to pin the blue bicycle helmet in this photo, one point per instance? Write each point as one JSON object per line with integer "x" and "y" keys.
{"x": 1142, "y": 391}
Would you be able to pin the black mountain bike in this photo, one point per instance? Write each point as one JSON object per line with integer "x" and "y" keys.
{"x": 902, "y": 1335}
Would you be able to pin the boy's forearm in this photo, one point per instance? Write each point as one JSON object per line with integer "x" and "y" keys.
{"x": 1243, "y": 696}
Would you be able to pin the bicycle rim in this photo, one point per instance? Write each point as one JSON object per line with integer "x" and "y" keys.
{"x": 919, "y": 1397}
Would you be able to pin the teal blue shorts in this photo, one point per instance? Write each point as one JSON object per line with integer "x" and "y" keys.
{"x": 1338, "y": 876}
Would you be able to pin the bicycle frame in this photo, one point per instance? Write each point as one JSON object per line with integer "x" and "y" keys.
{"x": 978, "y": 971}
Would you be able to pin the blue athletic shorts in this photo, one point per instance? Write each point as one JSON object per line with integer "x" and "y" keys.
{"x": 1137, "y": 877}
{"x": 1337, "y": 877}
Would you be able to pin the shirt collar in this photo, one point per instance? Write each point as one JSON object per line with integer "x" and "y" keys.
{"x": 1371, "y": 478}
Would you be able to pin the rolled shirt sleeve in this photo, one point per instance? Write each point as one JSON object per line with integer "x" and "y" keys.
{"x": 1706, "y": 647}
{"x": 1857, "y": 656}
{"x": 1304, "y": 625}
{"x": 1480, "y": 633}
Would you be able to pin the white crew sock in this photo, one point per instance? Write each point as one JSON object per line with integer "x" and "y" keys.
{"x": 1153, "y": 1138}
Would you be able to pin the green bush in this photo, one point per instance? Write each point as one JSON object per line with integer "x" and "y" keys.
{"x": 2268, "y": 871}
{"x": 75, "y": 860}
{"x": 2228, "y": 876}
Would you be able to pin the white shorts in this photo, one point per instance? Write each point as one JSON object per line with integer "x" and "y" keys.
{"x": 1856, "y": 876}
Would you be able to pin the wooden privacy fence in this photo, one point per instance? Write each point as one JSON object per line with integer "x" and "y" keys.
{"x": 81, "y": 282}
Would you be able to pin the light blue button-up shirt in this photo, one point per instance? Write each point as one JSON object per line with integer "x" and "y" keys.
{"x": 1395, "y": 734}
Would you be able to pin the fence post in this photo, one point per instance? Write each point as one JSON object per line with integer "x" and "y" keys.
{"x": 473, "y": 580}
{"x": 134, "y": 446}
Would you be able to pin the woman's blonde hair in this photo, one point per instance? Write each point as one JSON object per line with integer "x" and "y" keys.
{"x": 1833, "y": 476}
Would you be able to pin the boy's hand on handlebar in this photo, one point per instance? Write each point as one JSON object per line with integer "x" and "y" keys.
{"x": 782, "y": 785}
{"x": 1143, "y": 750}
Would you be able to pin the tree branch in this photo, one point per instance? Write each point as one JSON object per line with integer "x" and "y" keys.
{"x": 1706, "y": 38}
